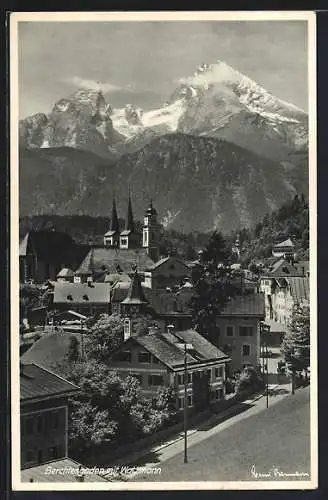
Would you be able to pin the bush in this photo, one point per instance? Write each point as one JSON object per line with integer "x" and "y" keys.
{"x": 249, "y": 381}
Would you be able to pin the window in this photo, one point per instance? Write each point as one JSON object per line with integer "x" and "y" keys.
{"x": 190, "y": 402}
{"x": 144, "y": 357}
{"x": 181, "y": 379}
{"x": 229, "y": 331}
{"x": 189, "y": 378}
{"x": 124, "y": 242}
{"x": 219, "y": 372}
{"x": 181, "y": 403}
{"x": 127, "y": 328}
{"x": 145, "y": 238}
{"x": 246, "y": 350}
{"x": 245, "y": 331}
{"x": 124, "y": 356}
{"x": 155, "y": 380}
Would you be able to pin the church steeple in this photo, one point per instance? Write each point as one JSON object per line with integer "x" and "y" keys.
{"x": 129, "y": 238}
{"x": 112, "y": 236}
{"x": 129, "y": 223}
{"x": 114, "y": 223}
{"x": 150, "y": 237}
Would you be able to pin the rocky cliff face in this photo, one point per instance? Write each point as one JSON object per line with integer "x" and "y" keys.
{"x": 198, "y": 183}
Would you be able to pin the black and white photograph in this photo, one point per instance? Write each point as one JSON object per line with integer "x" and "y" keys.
{"x": 163, "y": 250}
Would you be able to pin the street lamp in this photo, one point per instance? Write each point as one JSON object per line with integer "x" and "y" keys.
{"x": 185, "y": 346}
{"x": 265, "y": 329}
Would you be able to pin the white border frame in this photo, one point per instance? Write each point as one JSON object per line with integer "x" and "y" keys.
{"x": 16, "y": 17}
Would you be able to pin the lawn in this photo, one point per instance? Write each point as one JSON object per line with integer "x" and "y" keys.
{"x": 276, "y": 437}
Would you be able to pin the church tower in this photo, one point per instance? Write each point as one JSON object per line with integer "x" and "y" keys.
{"x": 129, "y": 238}
{"x": 133, "y": 307}
{"x": 111, "y": 238}
{"x": 150, "y": 236}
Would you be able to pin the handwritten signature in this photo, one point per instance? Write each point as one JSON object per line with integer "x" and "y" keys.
{"x": 276, "y": 473}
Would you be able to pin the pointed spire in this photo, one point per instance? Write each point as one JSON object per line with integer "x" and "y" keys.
{"x": 114, "y": 223}
{"x": 135, "y": 293}
{"x": 129, "y": 224}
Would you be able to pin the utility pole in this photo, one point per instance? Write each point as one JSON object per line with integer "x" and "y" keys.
{"x": 185, "y": 404}
{"x": 82, "y": 346}
{"x": 267, "y": 376}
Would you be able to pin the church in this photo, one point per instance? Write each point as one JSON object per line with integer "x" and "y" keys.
{"x": 124, "y": 249}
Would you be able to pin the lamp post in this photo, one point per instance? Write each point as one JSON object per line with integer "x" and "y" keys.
{"x": 185, "y": 405}
{"x": 265, "y": 329}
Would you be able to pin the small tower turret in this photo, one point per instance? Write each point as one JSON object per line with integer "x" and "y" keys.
{"x": 111, "y": 238}
{"x": 150, "y": 237}
{"x": 133, "y": 306}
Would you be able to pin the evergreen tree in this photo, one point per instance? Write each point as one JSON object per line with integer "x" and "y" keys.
{"x": 296, "y": 344}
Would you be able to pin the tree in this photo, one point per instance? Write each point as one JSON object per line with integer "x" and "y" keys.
{"x": 105, "y": 336}
{"x": 73, "y": 353}
{"x": 296, "y": 344}
{"x": 249, "y": 380}
{"x": 212, "y": 286}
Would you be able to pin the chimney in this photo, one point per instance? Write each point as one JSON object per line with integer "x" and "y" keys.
{"x": 152, "y": 330}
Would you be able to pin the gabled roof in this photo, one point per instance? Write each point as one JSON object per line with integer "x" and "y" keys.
{"x": 168, "y": 348}
{"x": 286, "y": 243}
{"x": 110, "y": 258}
{"x": 166, "y": 259}
{"x": 282, "y": 269}
{"x": 39, "y": 383}
{"x": 50, "y": 349}
{"x": 245, "y": 305}
{"x": 65, "y": 273}
{"x": 110, "y": 233}
{"x": 125, "y": 232}
{"x": 82, "y": 293}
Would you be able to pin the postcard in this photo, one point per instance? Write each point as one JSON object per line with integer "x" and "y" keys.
{"x": 163, "y": 250}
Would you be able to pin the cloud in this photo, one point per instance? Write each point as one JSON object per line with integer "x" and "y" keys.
{"x": 92, "y": 84}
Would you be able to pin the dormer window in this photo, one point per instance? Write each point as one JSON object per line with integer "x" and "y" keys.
{"x": 69, "y": 297}
{"x": 85, "y": 297}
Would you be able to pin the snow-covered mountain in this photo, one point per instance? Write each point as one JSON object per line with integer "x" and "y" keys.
{"x": 216, "y": 101}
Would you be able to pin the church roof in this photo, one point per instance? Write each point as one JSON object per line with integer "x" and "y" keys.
{"x": 129, "y": 223}
{"x": 135, "y": 293}
{"x": 82, "y": 293}
{"x": 114, "y": 223}
{"x": 110, "y": 259}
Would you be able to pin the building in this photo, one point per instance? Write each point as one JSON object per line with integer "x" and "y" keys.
{"x": 285, "y": 293}
{"x": 157, "y": 358}
{"x": 44, "y": 427}
{"x": 150, "y": 234}
{"x": 66, "y": 275}
{"x": 84, "y": 298}
{"x": 169, "y": 272}
{"x": 42, "y": 254}
{"x": 285, "y": 249}
{"x": 274, "y": 284}
{"x": 238, "y": 330}
{"x": 43, "y": 415}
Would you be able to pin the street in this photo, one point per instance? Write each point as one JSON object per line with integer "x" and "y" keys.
{"x": 257, "y": 442}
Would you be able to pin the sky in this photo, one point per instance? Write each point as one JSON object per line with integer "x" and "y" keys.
{"x": 141, "y": 62}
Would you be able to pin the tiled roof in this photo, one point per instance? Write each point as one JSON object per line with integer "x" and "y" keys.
{"x": 166, "y": 259}
{"x": 82, "y": 293}
{"x": 111, "y": 258}
{"x": 299, "y": 288}
{"x": 283, "y": 244}
{"x": 245, "y": 305}
{"x": 205, "y": 348}
{"x": 282, "y": 268}
{"x": 167, "y": 347}
{"x": 65, "y": 273}
{"x": 50, "y": 349}
{"x": 38, "y": 383}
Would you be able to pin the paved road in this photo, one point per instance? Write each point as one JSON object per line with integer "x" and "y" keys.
{"x": 263, "y": 438}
